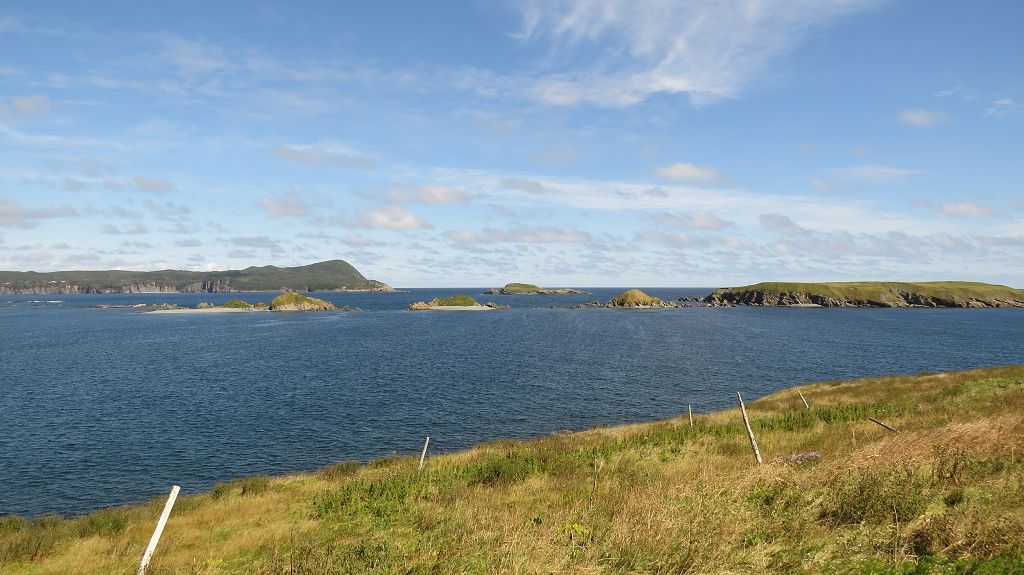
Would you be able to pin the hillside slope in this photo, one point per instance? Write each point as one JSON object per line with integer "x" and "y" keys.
{"x": 943, "y": 495}
{"x": 321, "y": 276}
{"x": 870, "y": 294}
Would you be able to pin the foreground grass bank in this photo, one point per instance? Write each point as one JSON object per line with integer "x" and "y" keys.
{"x": 943, "y": 495}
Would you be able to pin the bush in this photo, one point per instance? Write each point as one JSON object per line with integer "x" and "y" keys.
{"x": 877, "y": 496}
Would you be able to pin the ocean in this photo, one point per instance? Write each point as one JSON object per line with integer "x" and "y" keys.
{"x": 100, "y": 407}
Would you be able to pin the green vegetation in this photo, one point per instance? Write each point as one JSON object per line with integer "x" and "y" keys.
{"x": 515, "y": 288}
{"x": 885, "y": 293}
{"x": 328, "y": 275}
{"x": 944, "y": 495}
{"x": 238, "y": 304}
{"x": 293, "y": 301}
{"x": 636, "y": 298}
{"x": 457, "y": 300}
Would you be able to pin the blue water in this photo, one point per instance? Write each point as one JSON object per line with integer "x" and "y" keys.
{"x": 100, "y": 407}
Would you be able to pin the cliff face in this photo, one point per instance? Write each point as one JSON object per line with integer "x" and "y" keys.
{"x": 57, "y": 287}
{"x": 884, "y": 298}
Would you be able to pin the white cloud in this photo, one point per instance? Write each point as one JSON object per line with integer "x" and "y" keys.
{"x": 290, "y": 205}
{"x": 360, "y": 241}
{"x": 322, "y": 156}
{"x": 137, "y": 229}
{"x": 261, "y": 242}
{"x": 391, "y": 217}
{"x": 425, "y": 194}
{"x": 923, "y": 118}
{"x": 33, "y": 105}
{"x": 874, "y": 173}
{"x": 527, "y": 235}
{"x": 15, "y": 215}
{"x": 1004, "y": 107}
{"x": 523, "y": 185}
{"x": 697, "y": 220}
{"x": 153, "y": 185}
{"x": 782, "y": 224}
{"x": 823, "y": 186}
{"x": 193, "y": 59}
{"x": 683, "y": 172}
{"x": 708, "y": 50}
{"x": 965, "y": 210}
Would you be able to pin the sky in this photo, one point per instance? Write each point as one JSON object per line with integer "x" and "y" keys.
{"x": 564, "y": 143}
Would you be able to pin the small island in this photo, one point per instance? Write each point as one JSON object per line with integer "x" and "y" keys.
{"x": 531, "y": 289}
{"x": 457, "y": 302}
{"x": 637, "y": 299}
{"x": 869, "y": 294}
{"x": 286, "y": 302}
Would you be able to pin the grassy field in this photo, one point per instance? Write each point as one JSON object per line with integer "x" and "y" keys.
{"x": 882, "y": 291}
{"x": 519, "y": 288}
{"x": 943, "y": 495}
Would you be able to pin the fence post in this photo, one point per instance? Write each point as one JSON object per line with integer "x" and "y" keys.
{"x": 424, "y": 454}
{"x": 689, "y": 411}
{"x": 148, "y": 555}
{"x": 750, "y": 432}
{"x": 883, "y": 425}
{"x": 802, "y": 398}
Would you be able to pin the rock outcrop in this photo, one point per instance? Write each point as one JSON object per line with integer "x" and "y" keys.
{"x": 530, "y": 289}
{"x": 292, "y": 301}
{"x": 635, "y": 298}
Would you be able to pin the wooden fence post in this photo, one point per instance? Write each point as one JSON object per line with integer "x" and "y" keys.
{"x": 750, "y": 432}
{"x": 146, "y": 557}
{"x": 689, "y": 411}
{"x": 424, "y": 454}
{"x": 802, "y": 399}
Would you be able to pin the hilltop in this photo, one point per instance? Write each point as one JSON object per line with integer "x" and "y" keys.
{"x": 870, "y": 294}
{"x": 837, "y": 493}
{"x": 332, "y": 275}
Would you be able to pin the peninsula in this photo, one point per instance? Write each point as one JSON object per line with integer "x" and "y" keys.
{"x": 870, "y": 294}
{"x": 331, "y": 275}
{"x": 530, "y": 289}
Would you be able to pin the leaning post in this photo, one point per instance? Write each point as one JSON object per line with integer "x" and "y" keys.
{"x": 689, "y": 411}
{"x": 802, "y": 398}
{"x": 148, "y": 555}
{"x": 423, "y": 455}
{"x": 750, "y": 432}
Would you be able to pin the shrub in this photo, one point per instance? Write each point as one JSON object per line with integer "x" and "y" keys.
{"x": 457, "y": 300}
{"x": 877, "y": 496}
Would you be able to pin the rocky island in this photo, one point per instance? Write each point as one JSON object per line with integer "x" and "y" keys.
{"x": 458, "y": 302}
{"x": 631, "y": 299}
{"x": 530, "y": 289}
{"x": 288, "y": 301}
{"x": 870, "y": 294}
{"x": 332, "y": 275}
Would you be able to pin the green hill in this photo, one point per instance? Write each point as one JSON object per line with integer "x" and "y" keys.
{"x": 871, "y": 294}
{"x": 322, "y": 276}
{"x": 837, "y": 494}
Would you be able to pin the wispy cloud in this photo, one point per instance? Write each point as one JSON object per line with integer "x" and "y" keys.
{"x": 708, "y": 50}
{"x": 823, "y": 186}
{"x": 696, "y": 220}
{"x": 526, "y": 235}
{"x": 683, "y": 172}
{"x": 323, "y": 156}
{"x": 1004, "y": 108}
{"x": 875, "y": 173}
{"x": 782, "y": 224}
{"x": 920, "y": 118}
{"x": 289, "y": 205}
{"x": 15, "y": 215}
{"x": 134, "y": 230}
{"x": 425, "y": 194}
{"x": 390, "y": 217}
{"x": 965, "y": 210}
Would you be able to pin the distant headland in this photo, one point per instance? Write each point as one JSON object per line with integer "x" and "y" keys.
{"x": 870, "y": 294}
{"x": 331, "y": 275}
{"x": 531, "y": 289}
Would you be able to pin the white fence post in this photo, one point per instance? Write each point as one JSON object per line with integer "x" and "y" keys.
{"x": 159, "y": 529}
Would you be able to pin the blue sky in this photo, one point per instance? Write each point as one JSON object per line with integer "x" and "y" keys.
{"x": 609, "y": 142}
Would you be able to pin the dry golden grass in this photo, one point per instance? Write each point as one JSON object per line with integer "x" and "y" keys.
{"x": 944, "y": 495}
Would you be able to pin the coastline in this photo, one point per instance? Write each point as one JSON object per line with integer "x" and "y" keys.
{"x": 635, "y": 474}
{"x": 206, "y": 310}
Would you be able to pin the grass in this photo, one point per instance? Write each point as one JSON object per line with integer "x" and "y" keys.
{"x": 517, "y": 288}
{"x": 945, "y": 495}
{"x": 457, "y": 300}
{"x": 635, "y": 297}
{"x": 288, "y": 299}
{"x": 885, "y": 291}
{"x": 238, "y": 304}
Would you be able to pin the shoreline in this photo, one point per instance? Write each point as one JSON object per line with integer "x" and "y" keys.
{"x": 192, "y": 310}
